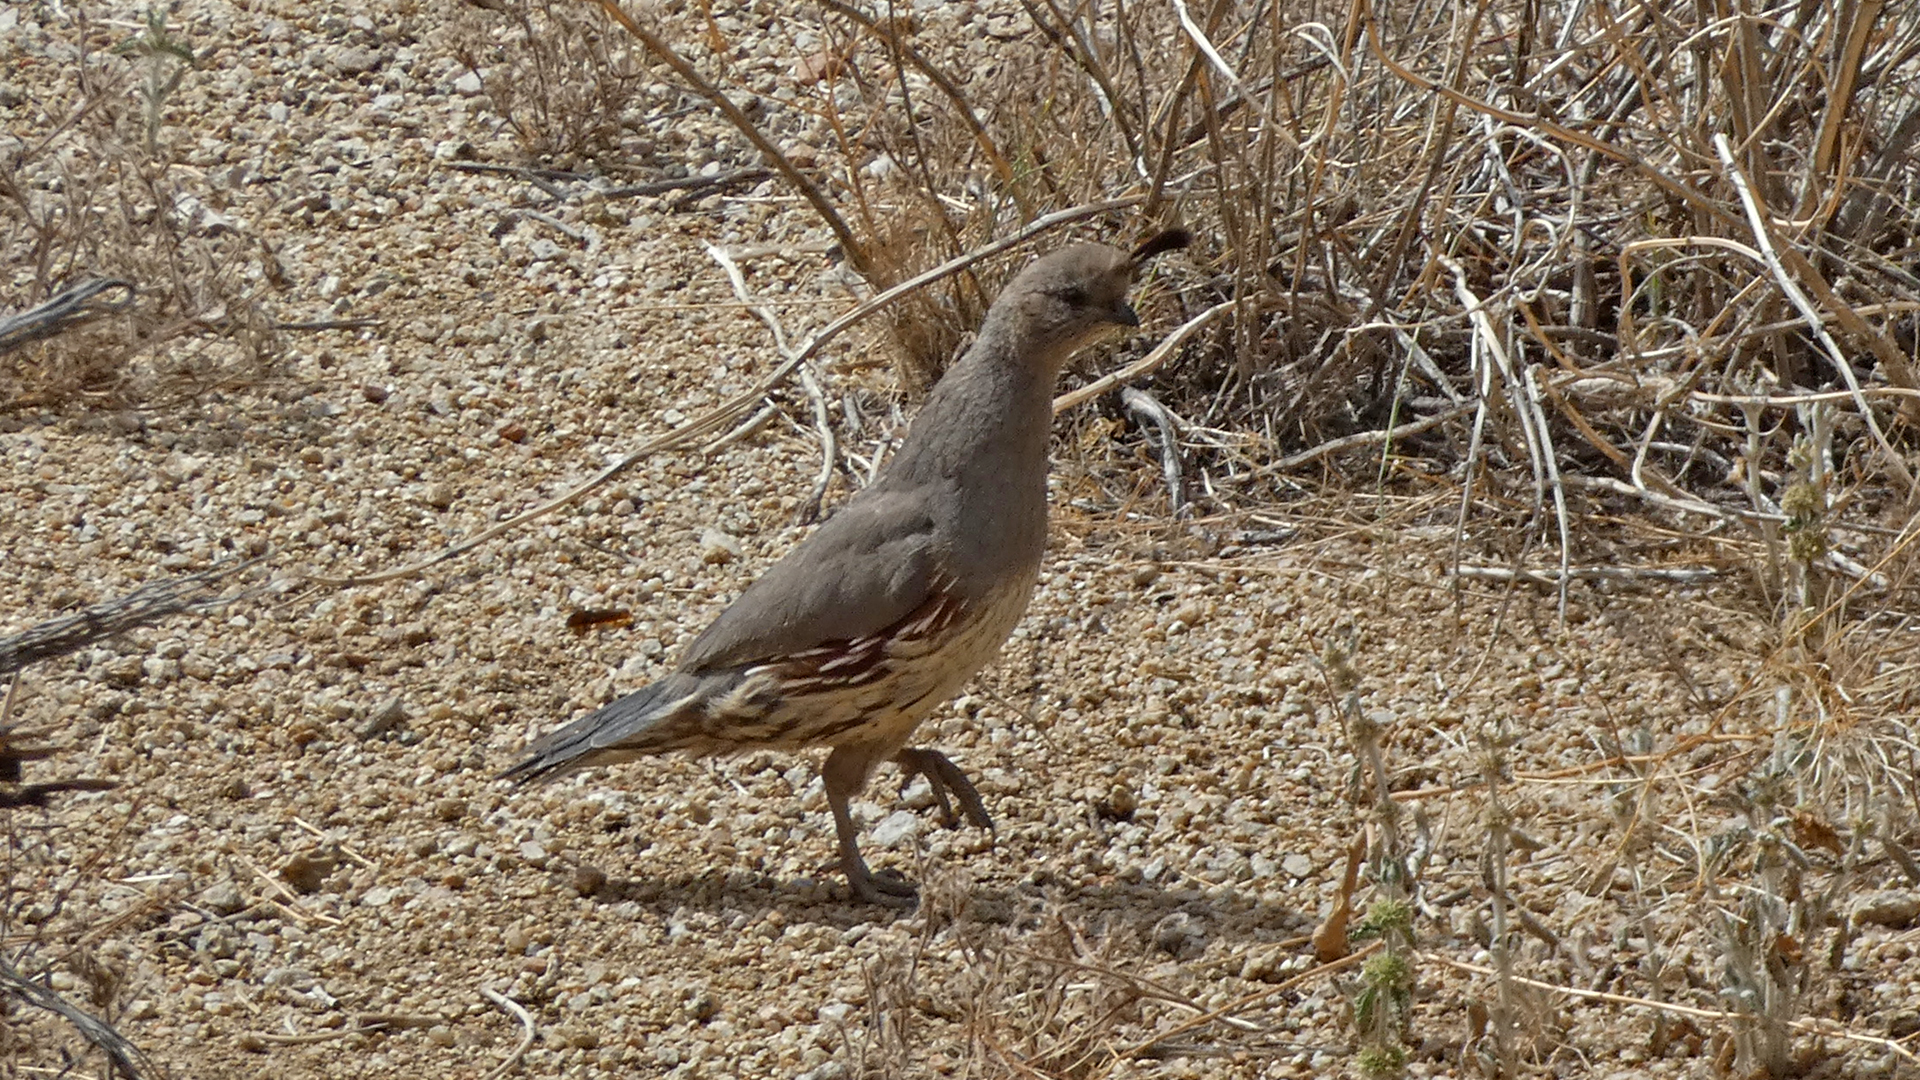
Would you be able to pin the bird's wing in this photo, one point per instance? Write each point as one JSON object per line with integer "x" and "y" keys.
{"x": 868, "y": 567}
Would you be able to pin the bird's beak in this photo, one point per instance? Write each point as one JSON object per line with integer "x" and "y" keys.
{"x": 1124, "y": 315}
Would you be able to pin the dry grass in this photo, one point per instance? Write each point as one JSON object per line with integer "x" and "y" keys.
{"x": 564, "y": 77}
{"x": 93, "y": 187}
{"x": 1410, "y": 209}
{"x": 48, "y": 923}
{"x": 1611, "y": 275}
{"x": 96, "y": 188}
{"x": 56, "y": 903}
{"x": 1647, "y": 271}
{"x": 1037, "y": 993}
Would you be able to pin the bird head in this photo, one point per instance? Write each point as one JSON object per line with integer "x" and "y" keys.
{"x": 1066, "y": 299}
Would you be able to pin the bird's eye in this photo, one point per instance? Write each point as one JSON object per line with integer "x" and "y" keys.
{"x": 1074, "y": 296}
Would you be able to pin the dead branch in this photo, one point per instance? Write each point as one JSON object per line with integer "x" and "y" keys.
{"x": 1552, "y": 578}
{"x": 127, "y": 1059}
{"x": 526, "y": 1024}
{"x": 66, "y": 310}
{"x": 809, "y": 381}
{"x": 1165, "y": 437}
{"x": 720, "y": 415}
{"x": 141, "y": 607}
{"x": 855, "y": 251}
{"x": 694, "y": 186}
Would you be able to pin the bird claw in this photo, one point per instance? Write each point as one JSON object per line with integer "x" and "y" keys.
{"x": 944, "y": 776}
{"x": 887, "y": 888}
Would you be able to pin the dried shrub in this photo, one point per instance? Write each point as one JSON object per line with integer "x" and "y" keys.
{"x": 562, "y": 75}
{"x": 1627, "y": 288}
{"x": 92, "y": 187}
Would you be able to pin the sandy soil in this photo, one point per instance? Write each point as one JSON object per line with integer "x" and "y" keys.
{"x": 309, "y": 870}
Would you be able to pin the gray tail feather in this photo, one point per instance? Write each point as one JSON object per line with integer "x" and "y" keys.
{"x": 631, "y": 725}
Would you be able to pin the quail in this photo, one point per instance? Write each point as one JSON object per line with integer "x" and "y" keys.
{"x": 893, "y": 603}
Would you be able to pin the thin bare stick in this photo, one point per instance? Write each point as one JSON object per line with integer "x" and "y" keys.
{"x": 1143, "y": 366}
{"x": 1201, "y": 42}
{"x": 717, "y": 417}
{"x": 1825, "y": 1028}
{"x": 126, "y": 1058}
{"x": 588, "y": 238}
{"x": 856, "y": 252}
{"x": 1523, "y": 393}
{"x": 317, "y": 833}
{"x": 1148, "y": 408}
{"x": 689, "y": 184}
{"x": 308, "y": 1039}
{"x": 1679, "y": 190}
{"x": 15, "y": 751}
{"x": 1670, "y": 502}
{"x": 1794, "y": 401}
{"x": 1364, "y": 438}
{"x": 312, "y": 325}
{"x": 1763, "y": 236}
{"x": 822, "y": 425}
{"x": 64, "y": 311}
{"x": 962, "y": 107}
{"x": 1680, "y": 575}
{"x": 1256, "y": 997}
{"x": 1531, "y": 380}
{"x": 743, "y": 429}
{"x": 143, "y": 606}
{"x": 288, "y": 902}
{"x": 526, "y": 1038}
{"x": 829, "y": 446}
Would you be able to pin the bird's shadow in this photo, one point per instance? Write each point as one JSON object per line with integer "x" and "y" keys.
{"x": 825, "y": 901}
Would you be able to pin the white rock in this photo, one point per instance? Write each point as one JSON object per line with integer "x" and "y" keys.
{"x": 895, "y": 829}
{"x": 719, "y": 547}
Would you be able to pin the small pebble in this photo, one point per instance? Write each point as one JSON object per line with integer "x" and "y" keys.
{"x": 588, "y": 880}
{"x": 307, "y": 872}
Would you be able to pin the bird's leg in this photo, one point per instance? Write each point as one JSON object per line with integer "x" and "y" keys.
{"x": 943, "y": 775}
{"x": 844, "y": 774}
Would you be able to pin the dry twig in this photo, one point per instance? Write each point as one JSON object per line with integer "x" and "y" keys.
{"x": 809, "y": 380}
{"x": 1167, "y": 439}
{"x": 67, "y": 309}
{"x": 1820, "y": 1028}
{"x": 142, "y": 607}
{"x": 717, "y": 417}
{"x": 513, "y": 1009}
{"x": 126, "y": 1058}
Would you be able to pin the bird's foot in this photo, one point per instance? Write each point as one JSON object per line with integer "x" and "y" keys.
{"x": 888, "y": 888}
{"x": 944, "y": 776}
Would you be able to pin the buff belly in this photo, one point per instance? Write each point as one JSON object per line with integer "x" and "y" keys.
{"x": 873, "y": 692}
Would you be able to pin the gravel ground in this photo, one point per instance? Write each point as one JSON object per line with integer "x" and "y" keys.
{"x": 308, "y": 870}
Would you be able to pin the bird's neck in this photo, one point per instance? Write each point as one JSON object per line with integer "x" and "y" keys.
{"x": 988, "y": 412}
